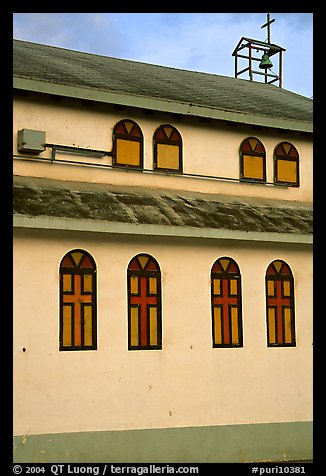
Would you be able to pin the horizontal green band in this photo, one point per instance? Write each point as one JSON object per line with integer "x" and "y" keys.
{"x": 204, "y": 444}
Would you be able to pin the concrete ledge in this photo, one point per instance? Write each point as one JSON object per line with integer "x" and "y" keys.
{"x": 158, "y": 104}
{"x": 277, "y": 442}
{"x": 97, "y": 226}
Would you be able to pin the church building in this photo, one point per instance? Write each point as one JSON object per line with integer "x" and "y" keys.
{"x": 162, "y": 263}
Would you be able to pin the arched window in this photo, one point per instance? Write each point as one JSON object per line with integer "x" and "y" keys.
{"x": 280, "y": 305}
{"x": 78, "y": 301}
{"x": 127, "y": 144}
{"x": 226, "y": 303}
{"x": 252, "y": 160}
{"x": 167, "y": 149}
{"x": 286, "y": 164}
{"x": 144, "y": 303}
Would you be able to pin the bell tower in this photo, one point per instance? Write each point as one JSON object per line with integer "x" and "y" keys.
{"x": 247, "y": 48}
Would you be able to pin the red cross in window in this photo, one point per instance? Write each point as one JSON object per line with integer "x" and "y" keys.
{"x": 143, "y": 300}
{"x": 278, "y": 302}
{"x": 77, "y": 298}
{"x": 225, "y": 300}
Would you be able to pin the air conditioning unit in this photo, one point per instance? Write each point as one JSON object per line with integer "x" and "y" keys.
{"x": 30, "y": 141}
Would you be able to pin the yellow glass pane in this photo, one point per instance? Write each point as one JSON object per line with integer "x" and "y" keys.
{"x": 287, "y": 326}
{"x": 153, "y": 326}
{"x": 224, "y": 262}
{"x": 217, "y": 326}
{"x": 134, "y": 284}
{"x": 253, "y": 142}
{"x": 88, "y": 282}
{"x": 286, "y": 288}
{"x": 278, "y": 265}
{"x": 143, "y": 260}
{"x": 168, "y": 156}
{"x": 129, "y": 125}
{"x": 168, "y": 130}
{"x": 128, "y": 152}
{"x": 233, "y": 287}
{"x": 67, "y": 282}
{"x": 88, "y": 330}
{"x": 253, "y": 167}
{"x": 271, "y": 325}
{"x": 270, "y": 288}
{"x": 287, "y": 147}
{"x": 77, "y": 256}
{"x": 134, "y": 317}
{"x": 152, "y": 285}
{"x": 217, "y": 286}
{"x": 66, "y": 326}
{"x": 234, "y": 325}
{"x": 286, "y": 171}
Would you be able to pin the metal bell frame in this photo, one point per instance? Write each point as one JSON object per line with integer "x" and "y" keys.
{"x": 245, "y": 49}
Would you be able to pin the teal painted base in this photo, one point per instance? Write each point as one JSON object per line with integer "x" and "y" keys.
{"x": 211, "y": 444}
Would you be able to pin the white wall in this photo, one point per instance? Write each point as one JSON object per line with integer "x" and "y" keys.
{"x": 186, "y": 383}
{"x": 208, "y": 149}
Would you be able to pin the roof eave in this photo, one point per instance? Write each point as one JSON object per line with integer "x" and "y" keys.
{"x": 97, "y": 226}
{"x": 157, "y": 104}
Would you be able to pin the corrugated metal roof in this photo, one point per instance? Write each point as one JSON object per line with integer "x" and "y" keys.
{"x": 58, "y": 66}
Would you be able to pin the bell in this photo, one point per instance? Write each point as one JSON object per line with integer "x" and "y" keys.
{"x": 265, "y": 62}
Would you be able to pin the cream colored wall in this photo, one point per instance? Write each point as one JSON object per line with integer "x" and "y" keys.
{"x": 186, "y": 383}
{"x": 208, "y": 149}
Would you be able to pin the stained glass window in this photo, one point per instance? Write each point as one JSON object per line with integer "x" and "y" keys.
{"x": 226, "y": 303}
{"x": 286, "y": 165}
{"x": 280, "y": 305}
{"x": 167, "y": 149}
{"x": 127, "y": 144}
{"x": 78, "y": 301}
{"x": 144, "y": 303}
{"x": 252, "y": 160}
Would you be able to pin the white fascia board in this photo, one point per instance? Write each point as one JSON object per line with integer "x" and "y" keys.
{"x": 96, "y": 226}
{"x": 158, "y": 104}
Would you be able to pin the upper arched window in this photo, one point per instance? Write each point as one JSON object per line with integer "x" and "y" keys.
{"x": 144, "y": 303}
{"x": 252, "y": 160}
{"x": 127, "y": 144}
{"x": 78, "y": 301}
{"x": 280, "y": 305}
{"x": 226, "y": 303}
{"x": 286, "y": 164}
{"x": 167, "y": 149}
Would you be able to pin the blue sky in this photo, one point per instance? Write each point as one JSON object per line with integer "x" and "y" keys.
{"x": 194, "y": 41}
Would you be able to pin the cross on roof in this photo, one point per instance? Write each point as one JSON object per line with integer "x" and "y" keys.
{"x": 267, "y": 24}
